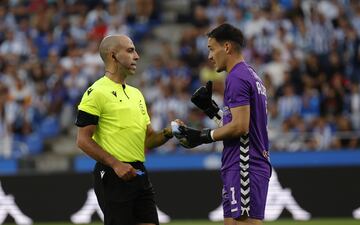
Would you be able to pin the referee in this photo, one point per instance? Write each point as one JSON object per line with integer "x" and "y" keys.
{"x": 114, "y": 129}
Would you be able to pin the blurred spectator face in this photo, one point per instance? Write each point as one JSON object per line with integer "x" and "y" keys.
{"x": 343, "y": 124}
{"x": 41, "y": 88}
{"x": 199, "y": 13}
{"x": 337, "y": 81}
{"x": 321, "y": 123}
{"x": 288, "y": 90}
{"x": 273, "y": 111}
{"x": 217, "y": 55}
{"x": 144, "y": 8}
{"x": 166, "y": 90}
{"x": 220, "y": 19}
{"x": 276, "y": 55}
{"x": 238, "y": 14}
{"x": 3, "y": 94}
{"x": 10, "y": 35}
{"x": 215, "y": 3}
{"x": 2, "y": 11}
{"x": 334, "y": 58}
{"x": 267, "y": 81}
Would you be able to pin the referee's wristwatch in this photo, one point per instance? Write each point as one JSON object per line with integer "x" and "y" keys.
{"x": 167, "y": 133}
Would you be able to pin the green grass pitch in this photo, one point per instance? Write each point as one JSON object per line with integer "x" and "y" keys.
{"x": 328, "y": 221}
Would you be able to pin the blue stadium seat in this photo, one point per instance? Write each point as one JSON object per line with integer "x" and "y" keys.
{"x": 49, "y": 128}
{"x": 83, "y": 163}
{"x": 19, "y": 148}
{"x": 34, "y": 143}
{"x": 8, "y": 166}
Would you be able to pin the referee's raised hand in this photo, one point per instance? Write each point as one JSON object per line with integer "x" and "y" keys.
{"x": 124, "y": 170}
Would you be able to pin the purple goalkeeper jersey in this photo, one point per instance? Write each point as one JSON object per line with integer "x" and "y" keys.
{"x": 249, "y": 152}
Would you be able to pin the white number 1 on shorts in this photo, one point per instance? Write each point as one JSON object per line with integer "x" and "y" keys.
{"x": 233, "y": 200}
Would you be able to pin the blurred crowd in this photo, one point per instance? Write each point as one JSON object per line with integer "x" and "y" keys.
{"x": 49, "y": 56}
{"x": 307, "y": 53}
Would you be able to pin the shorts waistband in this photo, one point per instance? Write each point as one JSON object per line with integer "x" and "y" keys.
{"x": 137, "y": 165}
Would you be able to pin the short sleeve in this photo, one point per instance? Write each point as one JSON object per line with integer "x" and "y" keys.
{"x": 238, "y": 92}
{"x": 91, "y": 102}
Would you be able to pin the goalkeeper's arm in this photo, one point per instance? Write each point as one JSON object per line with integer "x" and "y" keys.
{"x": 238, "y": 126}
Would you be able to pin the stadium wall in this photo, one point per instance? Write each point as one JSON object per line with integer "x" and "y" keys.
{"x": 321, "y": 191}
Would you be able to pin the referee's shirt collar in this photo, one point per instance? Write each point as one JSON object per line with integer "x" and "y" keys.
{"x": 114, "y": 83}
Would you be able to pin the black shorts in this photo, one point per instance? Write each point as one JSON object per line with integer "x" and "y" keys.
{"x": 125, "y": 202}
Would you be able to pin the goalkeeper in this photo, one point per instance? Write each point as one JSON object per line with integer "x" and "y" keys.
{"x": 245, "y": 166}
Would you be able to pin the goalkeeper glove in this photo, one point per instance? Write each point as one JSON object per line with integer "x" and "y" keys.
{"x": 192, "y": 137}
{"x": 202, "y": 98}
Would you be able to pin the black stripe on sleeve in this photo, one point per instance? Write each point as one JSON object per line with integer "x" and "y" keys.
{"x": 84, "y": 119}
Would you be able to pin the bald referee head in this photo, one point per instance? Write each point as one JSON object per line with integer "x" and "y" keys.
{"x": 119, "y": 56}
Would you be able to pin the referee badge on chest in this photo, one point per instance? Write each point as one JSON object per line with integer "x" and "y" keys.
{"x": 142, "y": 107}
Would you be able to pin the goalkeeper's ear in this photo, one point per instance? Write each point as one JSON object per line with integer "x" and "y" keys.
{"x": 209, "y": 87}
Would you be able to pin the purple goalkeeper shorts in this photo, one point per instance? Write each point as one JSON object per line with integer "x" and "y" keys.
{"x": 244, "y": 194}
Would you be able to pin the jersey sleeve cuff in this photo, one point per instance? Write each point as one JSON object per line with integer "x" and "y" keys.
{"x": 84, "y": 119}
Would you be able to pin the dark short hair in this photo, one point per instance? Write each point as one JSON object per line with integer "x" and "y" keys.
{"x": 227, "y": 32}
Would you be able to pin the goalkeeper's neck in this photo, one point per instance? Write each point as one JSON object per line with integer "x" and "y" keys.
{"x": 232, "y": 60}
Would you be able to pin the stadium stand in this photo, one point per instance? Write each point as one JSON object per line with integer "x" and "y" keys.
{"x": 307, "y": 52}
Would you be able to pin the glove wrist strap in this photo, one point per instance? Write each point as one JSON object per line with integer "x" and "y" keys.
{"x": 212, "y": 135}
{"x": 206, "y": 136}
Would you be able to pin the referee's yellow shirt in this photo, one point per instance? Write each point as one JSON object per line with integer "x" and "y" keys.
{"x": 123, "y": 118}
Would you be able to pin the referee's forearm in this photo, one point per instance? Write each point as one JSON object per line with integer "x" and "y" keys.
{"x": 155, "y": 140}
{"x": 92, "y": 149}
